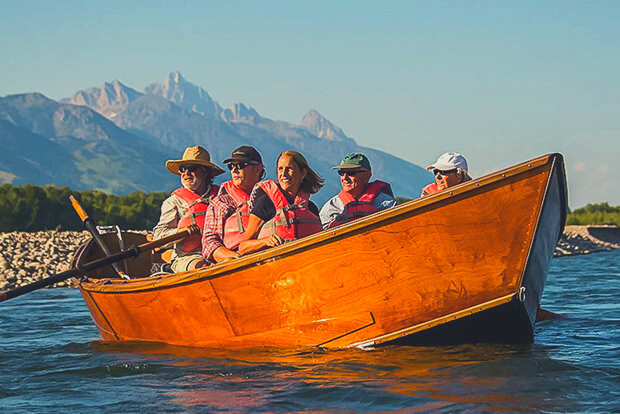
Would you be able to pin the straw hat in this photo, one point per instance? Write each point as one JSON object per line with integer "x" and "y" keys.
{"x": 194, "y": 156}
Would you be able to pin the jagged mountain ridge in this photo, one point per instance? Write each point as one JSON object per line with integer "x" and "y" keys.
{"x": 71, "y": 145}
{"x": 108, "y": 100}
{"x": 185, "y": 94}
{"x": 167, "y": 117}
{"x": 321, "y": 127}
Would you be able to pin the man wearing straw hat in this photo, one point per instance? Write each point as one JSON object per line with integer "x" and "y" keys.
{"x": 186, "y": 206}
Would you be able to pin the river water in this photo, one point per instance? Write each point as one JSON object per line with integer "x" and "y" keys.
{"x": 51, "y": 361}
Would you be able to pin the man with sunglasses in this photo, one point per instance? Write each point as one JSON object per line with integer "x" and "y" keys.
{"x": 228, "y": 214}
{"x": 186, "y": 206}
{"x": 358, "y": 197}
{"x": 449, "y": 170}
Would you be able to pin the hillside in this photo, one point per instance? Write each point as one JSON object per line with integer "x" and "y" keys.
{"x": 115, "y": 139}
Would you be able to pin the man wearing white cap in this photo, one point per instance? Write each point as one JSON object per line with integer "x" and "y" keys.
{"x": 186, "y": 206}
{"x": 449, "y": 170}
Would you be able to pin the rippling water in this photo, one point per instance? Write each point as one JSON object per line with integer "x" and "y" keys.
{"x": 51, "y": 361}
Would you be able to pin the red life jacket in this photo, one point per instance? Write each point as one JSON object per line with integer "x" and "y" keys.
{"x": 195, "y": 214}
{"x": 292, "y": 221}
{"x": 362, "y": 206}
{"x": 235, "y": 225}
{"x": 429, "y": 189}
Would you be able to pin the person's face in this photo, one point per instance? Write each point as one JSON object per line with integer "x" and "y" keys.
{"x": 290, "y": 176}
{"x": 194, "y": 177}
{"x": 245, "y": 175}
{"x": 354, "y": 181}
{"x": 446, "y": 179}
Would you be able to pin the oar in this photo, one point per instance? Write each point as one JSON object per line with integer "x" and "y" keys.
{"x": 133, "y": 251}
{"x": 545, "y": 315}
{"x": 89, "y": 224}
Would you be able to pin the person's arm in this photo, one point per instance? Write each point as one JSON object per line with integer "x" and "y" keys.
{"x": 383, "y": 201}
{"x": 330, "y": 210}
{"x": 325, "y": 215}
{"x": 251, "y": 244}
{"x": 213, "y": 248}
{"x": 168, "y": 220}
{"x": 223, "y": 253}
{"x": 262, "y": 210}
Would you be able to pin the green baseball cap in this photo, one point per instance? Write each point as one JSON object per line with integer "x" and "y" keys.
{"x": 354, "y": 160}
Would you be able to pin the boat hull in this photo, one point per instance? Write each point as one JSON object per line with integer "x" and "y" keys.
{"x": 482, "y": 248}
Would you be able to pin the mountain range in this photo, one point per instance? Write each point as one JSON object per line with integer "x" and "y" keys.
{"x": 116, "y": 139}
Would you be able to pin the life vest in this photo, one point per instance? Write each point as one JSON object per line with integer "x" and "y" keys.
{"x": 195, "y": 214}
{"x": 362, "y": 206}
{"x": 429, "y": 189}
{"x": 292, "y": 221}
{"x": 235, "y": 225}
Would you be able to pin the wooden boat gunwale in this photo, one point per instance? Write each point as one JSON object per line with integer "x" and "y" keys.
{"x": 413, "y": 207}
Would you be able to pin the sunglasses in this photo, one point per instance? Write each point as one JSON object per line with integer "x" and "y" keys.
{"x": 443, "y": 172}
{"x": 350, "y": 173}
{"x": 188, "y": 168}
{"x": 239, "y": 165}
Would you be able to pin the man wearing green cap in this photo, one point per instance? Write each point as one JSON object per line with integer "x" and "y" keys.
{"x": 358, "y": 197}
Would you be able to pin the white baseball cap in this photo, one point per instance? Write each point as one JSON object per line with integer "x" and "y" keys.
{"x": 449, "y": 161}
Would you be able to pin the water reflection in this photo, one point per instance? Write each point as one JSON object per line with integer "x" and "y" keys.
{"x": 489, "y": 377}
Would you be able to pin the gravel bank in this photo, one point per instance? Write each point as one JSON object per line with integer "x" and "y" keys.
{"x": 587, "y": 239}
{"x": 27, "y": 257}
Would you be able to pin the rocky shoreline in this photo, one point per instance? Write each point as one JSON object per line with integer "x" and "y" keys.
{"x": 578, "y": 240}
{"x": 27, "y": 257}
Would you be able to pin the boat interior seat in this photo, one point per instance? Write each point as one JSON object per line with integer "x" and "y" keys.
{"x": 133, "y": 267}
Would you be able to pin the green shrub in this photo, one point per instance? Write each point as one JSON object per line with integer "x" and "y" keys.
{"x": 33, "y": 208}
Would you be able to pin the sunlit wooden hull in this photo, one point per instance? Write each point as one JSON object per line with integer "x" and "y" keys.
{"x": 465, "y": 264}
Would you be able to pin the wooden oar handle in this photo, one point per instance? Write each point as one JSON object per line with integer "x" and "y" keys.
{"x": 78, "y": 208}
{"x": 90, "y": 225}
{"x": 164, "y": 241}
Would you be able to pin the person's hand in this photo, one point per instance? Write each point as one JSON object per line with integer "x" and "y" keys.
{"x": 274, "y": 240}
{"x": 232, "y": 257}
{"x": 193, "y": 229}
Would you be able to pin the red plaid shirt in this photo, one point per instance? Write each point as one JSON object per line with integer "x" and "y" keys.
{"x": 220, "y": 208}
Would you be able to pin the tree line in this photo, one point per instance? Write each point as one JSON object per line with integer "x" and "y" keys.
{"x": 601, "y": 213}
{"x": 34, "y": 208}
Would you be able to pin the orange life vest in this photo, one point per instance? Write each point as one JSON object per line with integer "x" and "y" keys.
{"x": 195, "y": 214}
{"x": 362, "y": 206}
{"x": 430, "y": 189}
{"x": 235, "y": 225}
{"x": 292, "y": 221}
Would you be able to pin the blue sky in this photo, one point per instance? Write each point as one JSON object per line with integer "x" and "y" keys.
{"x": 499, "y": 81}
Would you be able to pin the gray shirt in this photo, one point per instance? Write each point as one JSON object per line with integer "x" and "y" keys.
{"x": 334, "y": 207}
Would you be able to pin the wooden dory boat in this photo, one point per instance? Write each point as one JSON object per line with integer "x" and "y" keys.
{"x": 466, "y": 264}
